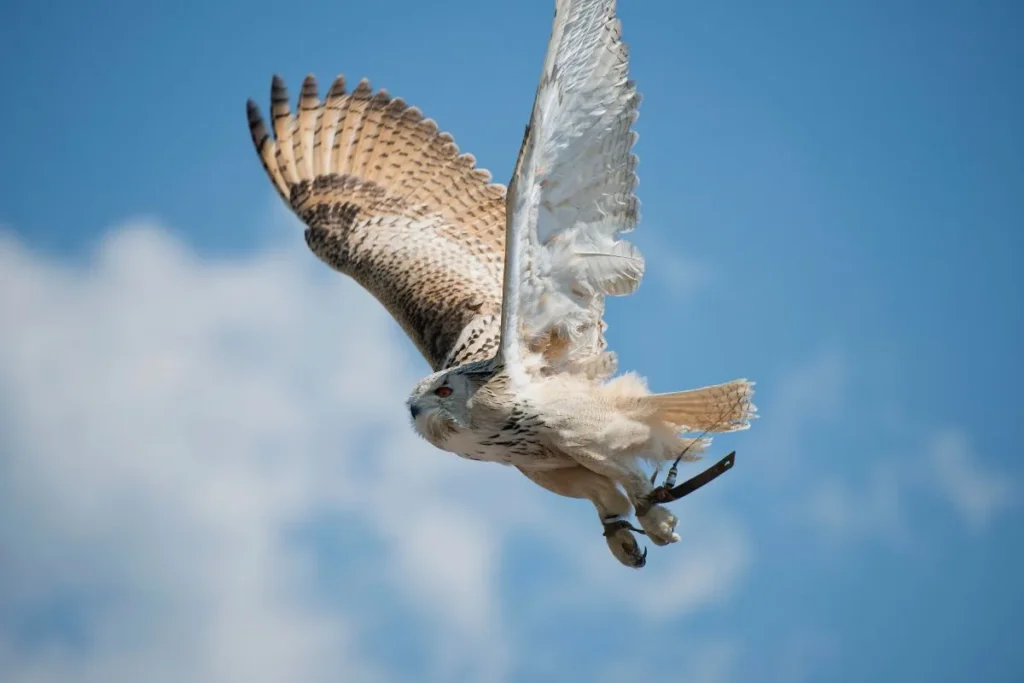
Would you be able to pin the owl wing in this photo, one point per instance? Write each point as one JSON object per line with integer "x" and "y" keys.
{"x": 388, "y": 200}
{"x": 571, "y": 195}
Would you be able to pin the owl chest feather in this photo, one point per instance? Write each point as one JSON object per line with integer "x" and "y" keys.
{"x": 504, "y": 429}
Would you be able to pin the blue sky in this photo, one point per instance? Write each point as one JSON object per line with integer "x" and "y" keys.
{"x": 831, "y": 197}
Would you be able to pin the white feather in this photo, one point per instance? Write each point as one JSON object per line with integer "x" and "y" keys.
{"x": 572, "y": 193}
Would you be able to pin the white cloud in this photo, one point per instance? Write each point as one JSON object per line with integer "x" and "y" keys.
{"x": 700, "y": 660}
{"x": 975, "y": 491}
{"x": 805, "y": 655}
{"x": 679, "y": 273}
{"x": 886, "y": 503}
{"x": 714, "y": 664}
{"x": 808, "y": 393}
{"x": 881, "y": 498}
{"x": 714, "y": 559}
{"x": 168, "y": 424}
{"x": 873, "y": 509}
{"x": 705, "y": 568}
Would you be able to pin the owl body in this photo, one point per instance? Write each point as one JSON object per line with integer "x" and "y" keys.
{"x": 546, "y": 422}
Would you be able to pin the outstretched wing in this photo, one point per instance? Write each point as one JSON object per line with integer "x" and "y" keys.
{"x": 570, "y": 197}
{"x": 388, "y": 200}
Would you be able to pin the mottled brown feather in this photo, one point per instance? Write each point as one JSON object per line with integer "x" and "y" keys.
{"x": 388, "y": 200}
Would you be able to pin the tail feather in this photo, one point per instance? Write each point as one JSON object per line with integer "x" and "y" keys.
{"x": 720, "y": 408}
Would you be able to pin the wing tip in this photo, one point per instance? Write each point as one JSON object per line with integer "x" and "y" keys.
{"x": 252, "y": 110}
{"x": 278, "y": 89}
{"x": 337, "y": 88}
{"x": 277, "y": 138}
{"x": 363, "y": 90}
{"x": 309, "y": 97}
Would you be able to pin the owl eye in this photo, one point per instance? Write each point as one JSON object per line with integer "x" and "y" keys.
{"x": 443, "y": 392}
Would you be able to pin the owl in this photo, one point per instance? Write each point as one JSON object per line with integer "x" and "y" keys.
{"x": 502, "y": 290}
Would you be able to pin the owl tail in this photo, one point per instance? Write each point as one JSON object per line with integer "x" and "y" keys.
{"x": 720, "y": 408}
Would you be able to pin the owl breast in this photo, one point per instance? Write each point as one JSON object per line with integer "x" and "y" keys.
{"x": 522, "y": 449}
{"x": 506, "y": 428}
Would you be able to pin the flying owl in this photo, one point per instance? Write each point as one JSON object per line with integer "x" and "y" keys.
{"x": 503, "y": 291}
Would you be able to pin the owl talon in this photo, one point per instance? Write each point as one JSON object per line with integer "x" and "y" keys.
{"x": 660, "y": 525}
{"x": 622, "y": 543}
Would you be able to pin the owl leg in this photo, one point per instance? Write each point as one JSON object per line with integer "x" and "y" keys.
{"x": 612, "y": 506}
{"x": 657, "y": 521}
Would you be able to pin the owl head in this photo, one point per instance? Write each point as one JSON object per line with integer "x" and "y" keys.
{"x": 438, "y": 405}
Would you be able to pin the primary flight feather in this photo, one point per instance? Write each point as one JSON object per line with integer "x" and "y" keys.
{"x": 503, "y": 292}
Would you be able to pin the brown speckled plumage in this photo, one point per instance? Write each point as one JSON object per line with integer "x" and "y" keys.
{"x": 388, "y": 200}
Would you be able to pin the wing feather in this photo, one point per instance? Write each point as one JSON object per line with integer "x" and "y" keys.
{"x": 305, "y": 128}
{"x": 284, "y": 123}
{"x": 388, "y": 200}
{"x": 571, "y": 195}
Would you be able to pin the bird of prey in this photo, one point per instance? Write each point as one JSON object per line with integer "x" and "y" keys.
{"x": 503, "y": 291}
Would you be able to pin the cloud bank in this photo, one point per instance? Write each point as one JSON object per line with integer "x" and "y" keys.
{"x": 207, "y": 474}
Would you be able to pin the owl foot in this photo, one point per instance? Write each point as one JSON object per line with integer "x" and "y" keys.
{"x": 619, "y": 536}
{"x": 659, "y": 524}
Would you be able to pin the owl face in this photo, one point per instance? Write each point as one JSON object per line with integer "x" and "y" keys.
{"x": 438, "y": 407}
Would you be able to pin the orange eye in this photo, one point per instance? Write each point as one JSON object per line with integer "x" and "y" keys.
{"x": 443, "y": 392}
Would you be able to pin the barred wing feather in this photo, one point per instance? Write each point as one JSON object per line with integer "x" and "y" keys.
{"x": 388, "y": 200}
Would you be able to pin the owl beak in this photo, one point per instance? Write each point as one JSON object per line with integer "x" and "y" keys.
{"x": 414, "y": 410}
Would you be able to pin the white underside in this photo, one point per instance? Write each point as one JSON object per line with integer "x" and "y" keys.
{"x": 468, "y": 444}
